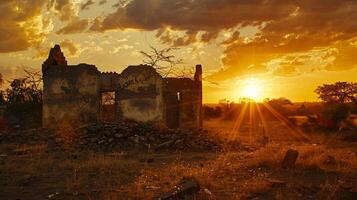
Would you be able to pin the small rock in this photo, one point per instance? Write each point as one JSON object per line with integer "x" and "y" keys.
{"x": 50, "y": 196}
{"x": 277, "y": 183}
{"x": 150, "y": 187}
{"x": 188, "y": 186}
{"x": 330, "y": 160}
{"x": 165, "y": 144}
{"x": 290, "y": 158}
{"x": 207, "y": 191}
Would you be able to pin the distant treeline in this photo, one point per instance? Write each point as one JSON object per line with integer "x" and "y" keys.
{"x": 21, "y": 102}
{"x": 338, "y": 103}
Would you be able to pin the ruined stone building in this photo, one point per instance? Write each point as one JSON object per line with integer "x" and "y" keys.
{"x": 80, "y": 94}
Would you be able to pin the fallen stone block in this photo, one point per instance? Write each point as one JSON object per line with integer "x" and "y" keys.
{"x": 277, "y": 183}
{"x": 290, "y": 158}
{"x": 165, "y": 144}
{"x": 188, "y": 186}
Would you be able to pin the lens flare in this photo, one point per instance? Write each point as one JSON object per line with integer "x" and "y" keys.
{"x": 252, "y": 90}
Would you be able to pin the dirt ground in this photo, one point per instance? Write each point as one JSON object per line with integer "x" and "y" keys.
{"x": 249, "y": 168}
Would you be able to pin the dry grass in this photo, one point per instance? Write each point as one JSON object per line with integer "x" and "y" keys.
{"x": 322, "y": 168}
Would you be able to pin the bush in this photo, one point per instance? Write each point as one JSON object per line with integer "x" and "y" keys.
{"x": 336, "y": 113}
{"x": 212, "y": 113}
{"x": 22, "y": 101}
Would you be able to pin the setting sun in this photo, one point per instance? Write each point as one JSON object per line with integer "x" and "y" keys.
{"x": 252, "y": 90}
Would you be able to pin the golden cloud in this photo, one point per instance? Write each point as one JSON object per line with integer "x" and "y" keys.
{"x": 70, "y": 48}
{"x": 20, "y": 25}
{"x": 87, "y": 4}
{"x": 76, "y": 25}
{"x": 286, "y": 27}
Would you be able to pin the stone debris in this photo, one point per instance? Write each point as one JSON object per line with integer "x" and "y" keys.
{"x": 50, "y": 196}
{"x": 133, "y": 135}
{"x": 187, "y": 187}
{"x": 290, "y": 158}
{"x": 110, "y": 137}
{"x": 275, "y": 183}
{"x": 330, "y": 160}
{"x": 207, "y": 191}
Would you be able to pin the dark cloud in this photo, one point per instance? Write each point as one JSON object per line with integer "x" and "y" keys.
{"x": 286, "y": 27}
{"x": 211, "y": 16}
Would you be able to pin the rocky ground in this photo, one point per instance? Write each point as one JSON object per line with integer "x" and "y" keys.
{"x": 143, "y": 161}
{"x": 110, "y": 137}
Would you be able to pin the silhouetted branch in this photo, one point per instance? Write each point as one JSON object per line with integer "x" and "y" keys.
{"x": 162, "y": 60}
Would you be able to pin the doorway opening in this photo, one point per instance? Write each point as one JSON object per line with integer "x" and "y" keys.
{"x": 108, "y": 106}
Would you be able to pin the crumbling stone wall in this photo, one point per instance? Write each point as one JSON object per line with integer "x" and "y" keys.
{"x": 74, "y": 93}
{"x": 70, "y": 93}
{"x": 140, "y": 94}
{"x": 109, "y": 82}
{"x": 183, "y": 101}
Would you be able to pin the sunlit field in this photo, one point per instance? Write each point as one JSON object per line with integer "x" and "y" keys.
{"x": 248, "y": 166}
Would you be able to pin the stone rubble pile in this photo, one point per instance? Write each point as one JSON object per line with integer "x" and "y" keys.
{"x": 116, "y": 136}
{"x": 132, "y": 135}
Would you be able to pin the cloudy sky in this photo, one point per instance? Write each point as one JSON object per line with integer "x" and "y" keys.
{"x": 287, "y": 47}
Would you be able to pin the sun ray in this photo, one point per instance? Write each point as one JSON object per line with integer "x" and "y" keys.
{"x": 296, "y": 132}
{"x": 262, "y": 119}
{"x": 251, "y": 122}
{"x": 251, "y": 89}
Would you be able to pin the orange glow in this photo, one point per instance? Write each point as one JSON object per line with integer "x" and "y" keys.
{"x": 252, "y": 89}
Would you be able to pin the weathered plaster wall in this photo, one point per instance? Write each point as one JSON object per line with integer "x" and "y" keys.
{"x": 70, "y": 94}
{"x": 74, "y": 93}
{"x": 183, "y": 101}
{"x": 186, "y": 93}
{"x": 109, "y": 82}
{"x": 140, "y": 94}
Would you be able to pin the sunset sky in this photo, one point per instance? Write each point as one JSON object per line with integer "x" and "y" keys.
{"x": 285, "y": 48}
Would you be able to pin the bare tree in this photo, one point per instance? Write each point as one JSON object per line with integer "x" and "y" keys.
{"x": 162, "y": 60}
{"x": 25, "y": 90}
{"x": 339, "y": 92}
{"x": 183, "y": 72}
{"x": 34, "y": 79}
